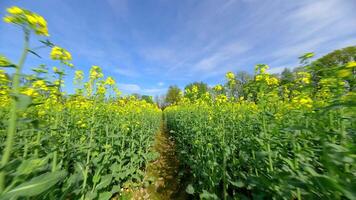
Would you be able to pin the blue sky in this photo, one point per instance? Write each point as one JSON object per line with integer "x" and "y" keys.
{"x": 147, "y": 45}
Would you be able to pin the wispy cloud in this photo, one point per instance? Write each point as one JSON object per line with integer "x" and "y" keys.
{"x": 128, "y": 88}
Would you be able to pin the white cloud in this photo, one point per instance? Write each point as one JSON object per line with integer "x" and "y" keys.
{"x": 160, "y": 83}
{"x": 134, "y": 88}
{"x": 129, "y": 87}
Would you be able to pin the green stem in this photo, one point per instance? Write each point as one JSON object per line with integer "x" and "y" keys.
{"x": 13, "y": 112}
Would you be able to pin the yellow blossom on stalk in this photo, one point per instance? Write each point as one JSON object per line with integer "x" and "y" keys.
{"x": 61, "y": 54}
{"x": 28, "y": 19}
{"x": 101, "y": 89}
{"x": 30, "y": 92}
{"x": 221, "y": 99}
{"x": 303, "y": 77}
{"x": 3, "y": 77}
{"x": 195, "y": 89}
{"x": 259, "y": 77}
{"x": 344, "y": 73}
{"x": 40, "y": 84}
{"x": 218, "y": 88}
{"x": 272, "y": 81}
{"x": 230, "y": 75}
{"x": 261, "y": 68}
{"x": 351, "y": 64}
{"x": 302, "y": 101}
{"x": 95, "y": 72}
{"x": 14, "y": 10}
{"x": 79, "y": 75}
{"x": 55, "y": 69}
{"x": 109, "y": 81}
{"x": 306, "y": 101}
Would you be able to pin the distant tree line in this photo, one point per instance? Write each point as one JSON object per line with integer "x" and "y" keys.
{"x": 317, "y": 69}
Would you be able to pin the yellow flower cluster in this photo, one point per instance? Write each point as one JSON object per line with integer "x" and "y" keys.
{"x": 261, "y": 68}
{"x": 95, "y": 72}
{"x": 109, "y": 81}
{"x": 351, "y": 64}
{"x": 272, "y": 80}
{"x": 230, "y": 75}
{"x": 221, "y": 99}
{"x": 79, "y": 75}
{"x": 302, "y": 102}
{"x": 303, "y": 77}
{"x": 218, "y": 88}
{"x": 31, "y": 92}
{"x": 3, "y": 77}
{"x": 28, "y": 19}
{"x": 61, "y": 54}
{"x": 40, "y": 84}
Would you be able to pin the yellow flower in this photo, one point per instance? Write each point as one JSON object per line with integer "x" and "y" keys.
{"x": 31, "y": 19}
{"x": 61, "y": 54}
{"x": 259, "y": 77}
{"x": 14, "y": 10}
{"x": 195, "y": 89}
{"x": 28, "y": 19}
{"x": 351, "y": 64}
{"x": 272, "y": 81}
{"x": 218, "y": 88}
{"x": 221, "y": 99}
{"x": 79, "y": 75}
{"x": 306, "y": 101}
{"x": 109, "y": 81}
{"x": 95, "y": 72}
{"x": 55, "y": 69}
{"x": 303, "y": 77}
{"x": 30, "y": 92}
{"x": 40, "y": 84}
{"x": 230, "y": 75}
{"x": 344, "y": 73}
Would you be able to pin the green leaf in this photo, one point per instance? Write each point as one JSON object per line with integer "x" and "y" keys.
{"x": 238, "y": 184}
{"x": 28, "y": 166}
{"x": 24, "y": 101}
{"x": 208, "y": 195}
{"x": 34, "y": 53}
{"x": 36, "y": 185}
{"x": 4, "y": 62}
{"x": 190, "y": 189}
{"x": 91, "y": 195}
{"x": 105, "y": 195}
{"x": 105, "y": 181}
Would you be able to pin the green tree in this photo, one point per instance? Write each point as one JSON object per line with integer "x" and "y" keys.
{"x": 287, "y": 76}
{"x": 147, "y": 98}
{"x": 202, "y": 89}
{"x": 174, "y": 95}
{"x": 324, "y": 65}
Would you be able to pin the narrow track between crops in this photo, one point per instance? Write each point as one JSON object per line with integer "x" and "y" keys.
{"x": 163, "y": 172}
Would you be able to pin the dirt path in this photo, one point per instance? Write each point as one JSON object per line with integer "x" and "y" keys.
{"x": 163, "y": 172}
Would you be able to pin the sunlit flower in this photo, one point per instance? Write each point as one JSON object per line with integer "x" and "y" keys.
{"x": 40, "y": 84}
{"x": 351, "y": 64}
{"x": 230, "y": 75}
{"x": 79, "y": 75}
{"x": 109, "y": 81}
{"x": 272, "y": 81}
{"x": 218, "y": 88}
{"x": 28, "y": 19}
{"x": 95, "y": 73}
{"x": 61, "y": 54}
